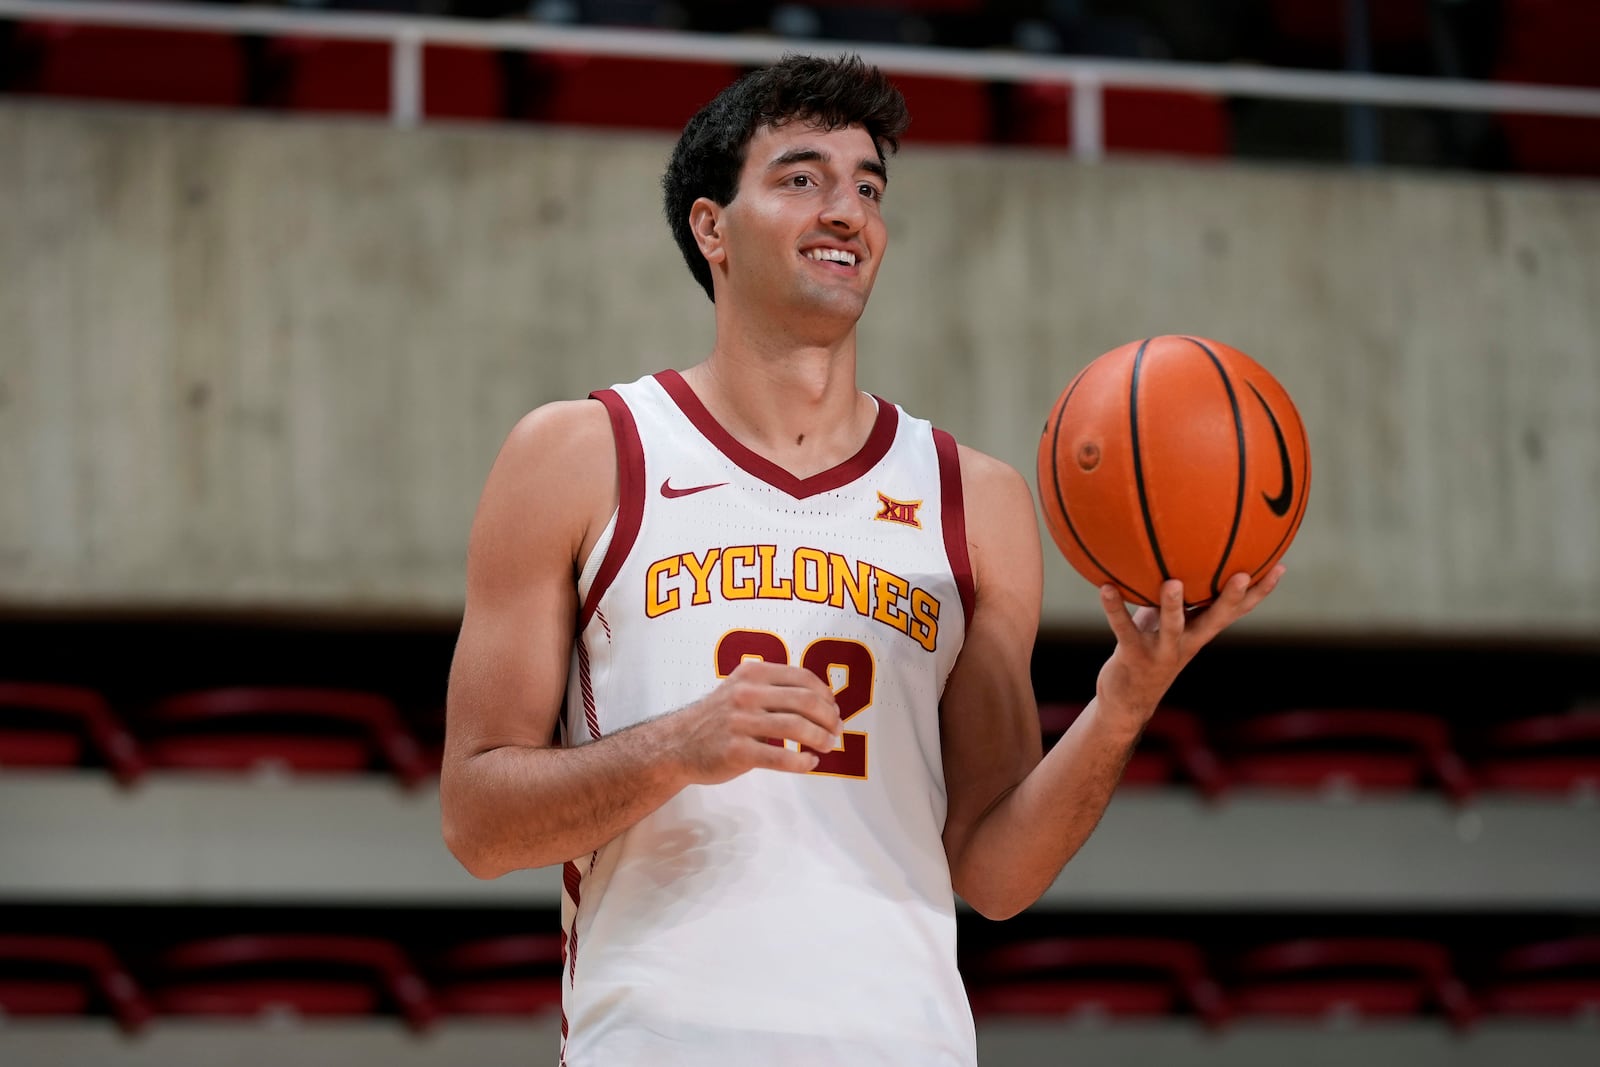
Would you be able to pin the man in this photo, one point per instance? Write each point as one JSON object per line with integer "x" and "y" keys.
{"x": 793, "y": 626}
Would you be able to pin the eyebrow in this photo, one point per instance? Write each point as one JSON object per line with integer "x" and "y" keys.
{"x": 812, "y": 155}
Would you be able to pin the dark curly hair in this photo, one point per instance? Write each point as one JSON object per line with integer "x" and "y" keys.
{"x": 831, "y": 92}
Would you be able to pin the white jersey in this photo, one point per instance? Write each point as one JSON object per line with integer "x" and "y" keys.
{"x": 776, "y": 918}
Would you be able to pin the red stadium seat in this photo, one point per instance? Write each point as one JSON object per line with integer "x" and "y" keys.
{"x": 1337, "y": 978}
{"x": 1173, "y": 749}
{"x": 1553, "y": 144}
{"x": 1055, "y": 719}
{"x": 67, "y": 976}
{"x": 1134, "y": 121}
{"x": 1551, "y": 42}
{"x": 133, "y": 65}
{"x": 59, "y": 725}
{"x": 1357, "y": 749}
{"x": 1097, "y": 977}
{"x": 294, "y": 974}
{"x": 353, "y": 77}
{"x": 918, "y": 7}
{"x": 1322, "y": 22}
{"x": 1544, "y": 754}
{"x": 1558, "y": 978}
{"x": 1151, "y": 764}
{"x": 518, "y": 976}
{"x": 429, "y": 729}
{"x": 946, "y": 110}
{"x": 1177, "y": 733}
{"x": 307, "y": 731}
{"x": 618, "y": 91}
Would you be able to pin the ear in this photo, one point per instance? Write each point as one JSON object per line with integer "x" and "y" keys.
{"x": 705, "y": 222}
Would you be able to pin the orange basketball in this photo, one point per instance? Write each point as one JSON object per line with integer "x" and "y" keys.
{"x": 1173, "y": 457}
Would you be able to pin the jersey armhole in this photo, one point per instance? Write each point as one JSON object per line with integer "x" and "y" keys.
{"x": 953, "y": 517}
{"x": 630, "y": 499}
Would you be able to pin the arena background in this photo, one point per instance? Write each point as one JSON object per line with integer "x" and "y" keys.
{"x": 261, "y": 333}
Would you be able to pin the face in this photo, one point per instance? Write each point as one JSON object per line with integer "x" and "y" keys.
{"x": 805, "y": 231}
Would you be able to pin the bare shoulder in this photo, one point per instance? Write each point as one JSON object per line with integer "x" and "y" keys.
{"x": 575, "y": 426}
{"x": 1002, "y": 525}
{"x": 554, "y": 479}
{"x": 980, "y": 470}
{"x": 992, "y": 489}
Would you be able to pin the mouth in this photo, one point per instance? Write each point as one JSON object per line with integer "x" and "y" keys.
{"x": 835, "y": 259}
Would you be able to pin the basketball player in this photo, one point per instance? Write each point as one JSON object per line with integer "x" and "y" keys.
{"x": 793, "y": 626}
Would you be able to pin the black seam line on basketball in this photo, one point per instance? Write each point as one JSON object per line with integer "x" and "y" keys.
{"x": 1280, "y": 503}
{"x": 1061, "y": 500}
{"x": 1238, "y": 497}
{"x": 1138, "y": 462}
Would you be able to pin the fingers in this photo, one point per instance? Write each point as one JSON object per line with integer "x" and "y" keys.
{"x": 1165, "y": 618}
{"x": 1237, "y": 599}
{"x": 1243, "y": 597}
{"x": 1263, "y": 589}
{"x": 790, "y": 727}
{"x": 778, "y": 758}
{"x": 1240, "y": 596}
{"x": 760, "y": 686}
{"x": 769, "y": 704}
{"x": 1171, "y": 626}
{"x": 780, "y": 674}
{"x": 1168, "y": 618}
{"x": 1117, "y": 614}
{"x": 764, "y": 701}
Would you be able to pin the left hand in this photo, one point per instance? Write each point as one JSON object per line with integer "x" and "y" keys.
{"x": 1155, "y": 643}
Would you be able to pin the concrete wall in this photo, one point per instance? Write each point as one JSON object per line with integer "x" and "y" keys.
{"x": 262, "y": 363}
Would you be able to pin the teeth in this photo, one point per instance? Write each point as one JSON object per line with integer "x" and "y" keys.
{"x": 837, "y": 256}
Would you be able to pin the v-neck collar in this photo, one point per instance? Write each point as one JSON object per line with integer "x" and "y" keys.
{"x": 873, "y": 450}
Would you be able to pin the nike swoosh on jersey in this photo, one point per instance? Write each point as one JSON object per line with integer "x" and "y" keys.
{"x": 671, "y": 493}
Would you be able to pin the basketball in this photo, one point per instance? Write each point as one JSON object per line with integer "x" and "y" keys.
{"x": 1173, "y": 457}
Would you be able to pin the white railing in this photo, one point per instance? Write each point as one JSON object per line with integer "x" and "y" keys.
{"x": 1087, "y": 77}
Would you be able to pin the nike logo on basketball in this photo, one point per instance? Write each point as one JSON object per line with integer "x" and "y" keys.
{"x": 671, "y": 493}
{"x": 1280, "y": 503}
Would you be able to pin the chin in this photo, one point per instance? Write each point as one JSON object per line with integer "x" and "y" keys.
{"x": 847, "y": 306}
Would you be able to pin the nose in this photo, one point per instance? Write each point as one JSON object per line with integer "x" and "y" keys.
{"x": 844, "y": 210}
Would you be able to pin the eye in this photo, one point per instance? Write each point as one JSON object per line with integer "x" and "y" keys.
{"x": 870, "y": 191}
{"x": 801, "y": 180}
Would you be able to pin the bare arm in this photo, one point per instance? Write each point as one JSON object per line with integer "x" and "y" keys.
{"x": 1015, "y": 819}
{"x": 510, "y": 799}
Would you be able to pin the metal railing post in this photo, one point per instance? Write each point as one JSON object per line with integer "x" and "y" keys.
{"x": 405, "y": 79}
{"x": 1088, "y": 119}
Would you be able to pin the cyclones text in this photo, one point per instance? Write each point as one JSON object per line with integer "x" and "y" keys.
{"x": 754, "y": 572}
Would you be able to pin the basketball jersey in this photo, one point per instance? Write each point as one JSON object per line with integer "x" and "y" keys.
{"x": 776, "y": 918}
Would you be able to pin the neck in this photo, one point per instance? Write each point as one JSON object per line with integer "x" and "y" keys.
{"x": 794, "y": 402}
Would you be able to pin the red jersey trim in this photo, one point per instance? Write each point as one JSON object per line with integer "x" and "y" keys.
{"x": 953, "y": 516}
{"x": 876, "y": 447}
{"x": 630, "y": 499}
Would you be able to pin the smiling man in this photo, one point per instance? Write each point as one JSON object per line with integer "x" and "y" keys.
{"x": 747, "y": 649}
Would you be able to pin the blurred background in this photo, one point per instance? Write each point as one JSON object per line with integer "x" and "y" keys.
{"x": 273, "y": 288}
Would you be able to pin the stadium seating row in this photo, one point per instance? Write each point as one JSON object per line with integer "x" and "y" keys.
{"x": 318, "y": 730}
{"x": 1363, "y": 750}
{"x": 315, "y": 974}
{"x": 352, "y": 77}
{"x": 331, "y": 76}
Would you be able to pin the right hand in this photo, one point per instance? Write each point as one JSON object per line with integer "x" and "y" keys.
{"x": 728, "y": 732}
